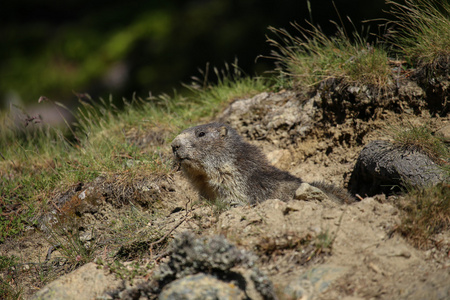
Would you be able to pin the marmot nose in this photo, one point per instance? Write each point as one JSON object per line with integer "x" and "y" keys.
{"x": 175, "y": 148}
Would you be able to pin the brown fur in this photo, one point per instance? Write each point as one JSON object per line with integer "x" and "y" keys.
{"x": 221, "y": 165}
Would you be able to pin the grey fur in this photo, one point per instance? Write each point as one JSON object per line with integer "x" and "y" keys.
{"x": 221, "y": 165}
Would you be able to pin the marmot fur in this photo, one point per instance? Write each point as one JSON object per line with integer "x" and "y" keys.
{"x": 221, "y": 165}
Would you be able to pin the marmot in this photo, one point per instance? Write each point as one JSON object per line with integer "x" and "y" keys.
{"x": 221, "y": 165}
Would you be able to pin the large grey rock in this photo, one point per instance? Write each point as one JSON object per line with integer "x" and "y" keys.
{"x": 382, "y": 166}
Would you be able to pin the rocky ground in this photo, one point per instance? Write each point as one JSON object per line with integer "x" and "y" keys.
{"x": 313, "y": 249}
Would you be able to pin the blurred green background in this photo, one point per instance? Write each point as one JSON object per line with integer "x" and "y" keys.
{"x": 99, "y": 47}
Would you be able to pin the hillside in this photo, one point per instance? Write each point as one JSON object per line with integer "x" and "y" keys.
{"x": 99, "y": 210}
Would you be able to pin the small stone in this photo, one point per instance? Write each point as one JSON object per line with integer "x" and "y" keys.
{"x": 82, "y": 195}
{"x": 444, "y": 133}
{"x": 86, "y": 236}
{"x": 405, "y": 254}
{"x": 307, "y": 192}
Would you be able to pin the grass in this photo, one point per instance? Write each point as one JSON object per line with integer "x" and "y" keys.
{"x": 8, "y": 290}
{"x": 312, "y": 57}
{"x": 423, "y": 139}
{"x": 132, "y": 233}
{"x": 230, "y": 84}
{"x": 67, "y": 238}
{"x": 425, "y": 212}
{"x": 38, "y": 161}
{"x": 422, "y": 32}
{"x": 420, "y": 35}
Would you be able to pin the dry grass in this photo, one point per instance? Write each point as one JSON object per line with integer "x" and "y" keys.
{"x": 426, "y": 212}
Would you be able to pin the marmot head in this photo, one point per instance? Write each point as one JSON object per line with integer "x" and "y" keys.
{"x": 203, "y": 147}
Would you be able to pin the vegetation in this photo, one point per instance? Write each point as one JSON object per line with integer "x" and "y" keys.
{"x": 112, "y": 47}
{"x": 230, "y": 84}
{"x": 426, "y": 212}
{"x": 420, "y": 35}
{"x": 7, "y": 291}
{"x": 38, "y": 163}
{"x": 39, "y": 160}
{"x": 421, "y": 32}
{"x": 313, "y": 57}
{"x": 421, "y": 138}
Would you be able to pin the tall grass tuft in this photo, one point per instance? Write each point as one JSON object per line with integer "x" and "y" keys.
{"x": 423, "y": 139}
{"x": 312, "y": 57}
{"x": 422, "y": 32}
{"x": 31, "y": 153}
{"x": 425, "y": 212}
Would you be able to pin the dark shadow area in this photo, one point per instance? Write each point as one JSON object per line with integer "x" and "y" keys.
{"x": 113, "y": 47}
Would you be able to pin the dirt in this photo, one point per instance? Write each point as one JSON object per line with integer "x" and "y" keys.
{"x": 309, "y": 249}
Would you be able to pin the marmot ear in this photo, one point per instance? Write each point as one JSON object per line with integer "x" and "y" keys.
{"x": 223, "y": 130}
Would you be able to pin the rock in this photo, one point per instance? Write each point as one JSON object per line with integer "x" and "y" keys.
{"x": 383, "y": 166}
{"x": 87, "y": 282}
{"x": 191, "y": 255}
{"x": 307, "y": 192}
{"x": 274, "y": 224}
{"x": 201, "y": 286}
{"x": 204, "y": 268}
{"x": 444, "y": 133}
{"x": 280, "y": 118}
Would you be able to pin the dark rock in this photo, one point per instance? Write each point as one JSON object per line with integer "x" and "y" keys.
{"x": 383, "y": 167}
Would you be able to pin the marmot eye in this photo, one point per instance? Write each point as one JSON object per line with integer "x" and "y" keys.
{"x": 201, "y": 133}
